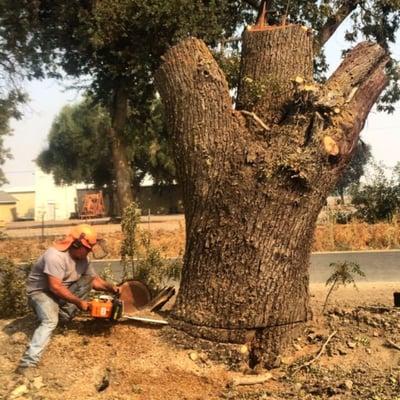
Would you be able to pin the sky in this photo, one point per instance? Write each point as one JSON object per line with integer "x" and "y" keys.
{"x": 29, "y": 137}
{"x": 47, "y": 97}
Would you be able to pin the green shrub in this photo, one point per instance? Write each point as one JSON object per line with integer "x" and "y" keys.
{"x": 107, "y": 274}
{"x": 142, "y": 261}
{"x": 379, "y": 200}
{"x": 343, "y": 274}
{"x": 13, "y": 299}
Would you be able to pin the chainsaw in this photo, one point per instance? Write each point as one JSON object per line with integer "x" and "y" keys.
{"x": 132, "y": 302}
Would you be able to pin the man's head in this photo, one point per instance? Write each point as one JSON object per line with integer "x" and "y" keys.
{"x": 79, "y": 241}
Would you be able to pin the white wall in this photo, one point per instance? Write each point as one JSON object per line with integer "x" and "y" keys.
{"x": 56, "y": 202}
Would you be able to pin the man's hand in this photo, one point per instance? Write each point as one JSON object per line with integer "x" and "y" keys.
{"x": 84, "y": 305}
{"x": 101, "y": 284}
{"x": 116, "y": 290}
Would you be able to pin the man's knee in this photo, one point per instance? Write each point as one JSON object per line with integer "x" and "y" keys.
{"x": 50, "y": 321}
{"x": 46, "y": 309}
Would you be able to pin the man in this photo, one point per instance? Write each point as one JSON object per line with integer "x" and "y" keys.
{"x": 58, "y": 287}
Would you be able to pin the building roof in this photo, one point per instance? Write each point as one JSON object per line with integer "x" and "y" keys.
{"x": 6, "y": 198}
{"x": 20, "y": 189}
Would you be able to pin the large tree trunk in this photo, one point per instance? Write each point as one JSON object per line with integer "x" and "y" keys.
{"x": 122, "y": 169}
{"x": 254, "y": 179}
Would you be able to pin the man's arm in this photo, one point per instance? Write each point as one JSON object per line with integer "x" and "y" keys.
{"x": 101, "y": 284}
{"x": 64, "y": 293}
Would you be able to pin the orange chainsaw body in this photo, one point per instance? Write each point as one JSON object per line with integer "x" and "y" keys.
{"x": 101, "y": 308}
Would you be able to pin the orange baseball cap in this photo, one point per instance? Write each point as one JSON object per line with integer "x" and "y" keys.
{"x": 85, "y": 233}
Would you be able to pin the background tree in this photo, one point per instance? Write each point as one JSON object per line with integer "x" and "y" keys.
{"x": 115, "y": 45}
{"x": 379, "y": 199}
{"x": 355, "y": 170}
{"x": 256, "y": 175}
{"x": 80, "y": 151}
{"x": 11, "y": 95}
{"x": 10, "y": 100}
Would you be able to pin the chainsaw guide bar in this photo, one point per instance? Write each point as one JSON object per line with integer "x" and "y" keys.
{"x": 146, "y": 319}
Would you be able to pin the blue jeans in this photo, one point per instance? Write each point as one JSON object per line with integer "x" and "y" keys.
{"x": 49, "y": 309}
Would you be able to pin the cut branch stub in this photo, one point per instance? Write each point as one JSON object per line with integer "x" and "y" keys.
{"x": 331, "y": 147}
{"x": 271, "y": 59}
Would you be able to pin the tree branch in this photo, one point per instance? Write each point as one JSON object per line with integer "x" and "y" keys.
{"x": 364, "y": 99}
{"x": 197, "y": 101}
{"x": 334, "y": 21}
{"x": 356, "y": 68}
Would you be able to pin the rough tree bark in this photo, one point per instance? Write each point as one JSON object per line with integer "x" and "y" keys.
{"x": 255, "y": 178}
{"x": 122, "y": 170}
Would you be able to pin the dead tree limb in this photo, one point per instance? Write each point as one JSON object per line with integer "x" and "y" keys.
{"x": 250, "y": 379}
{"x": 391, "y": 344}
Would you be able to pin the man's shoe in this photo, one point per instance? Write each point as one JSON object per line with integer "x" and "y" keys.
{"x": 27, "y": 371}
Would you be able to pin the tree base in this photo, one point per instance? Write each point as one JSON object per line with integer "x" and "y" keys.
{"x": 236, "y": 348}
{"x": 234, "y": 356}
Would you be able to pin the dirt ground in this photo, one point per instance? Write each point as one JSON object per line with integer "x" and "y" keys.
{"x": 96, "y": 359}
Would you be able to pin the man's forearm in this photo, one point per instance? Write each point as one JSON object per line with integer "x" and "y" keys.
{"x": 101, "y": 284}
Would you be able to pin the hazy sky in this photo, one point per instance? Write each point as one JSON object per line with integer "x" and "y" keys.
{"x": 382, "y": 131}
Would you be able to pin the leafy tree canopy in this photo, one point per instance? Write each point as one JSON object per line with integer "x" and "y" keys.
{"x": 11, "y": 96}
{"x": 79, "y": 150}
{"x": 112, "y": 41}
{"x": 121, "y": 41}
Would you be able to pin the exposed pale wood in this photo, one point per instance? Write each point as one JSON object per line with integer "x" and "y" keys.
{"x": 331, "y": 147}
{"x": 257, "y": 119}
{"x": 250, "y": 379}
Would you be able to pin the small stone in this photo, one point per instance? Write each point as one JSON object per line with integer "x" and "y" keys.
{"x": 351, "y": 344}
{"x": 297, "y": 347}
{"x": 136, "y": 389}
{"x": 348, "y": 384}
{"x": 298, "y": 386}
{"x": 342, "y": 351}
{"x": 277, "y": 362}
{"x": 375, "y": 334}
{"x": 38, "y": 383}
{"x": 299, "y": 79}
{"x": 19, "y": 391}
{"x": 244, "y": 349}
{"x": 193, "y": 356}
{"x": 18, "y": 338}
{"x": 286, "y": 360}
{"x": 369, "y": 351}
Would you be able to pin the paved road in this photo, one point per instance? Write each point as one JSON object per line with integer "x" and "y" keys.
{"x": 379, "y": 266}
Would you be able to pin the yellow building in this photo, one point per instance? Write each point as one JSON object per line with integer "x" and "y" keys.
{"x": 25, "y": 208}
{"x": 8, "y": 208}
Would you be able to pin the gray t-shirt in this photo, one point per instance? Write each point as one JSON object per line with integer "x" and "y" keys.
{"x": 60, "y": 265}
